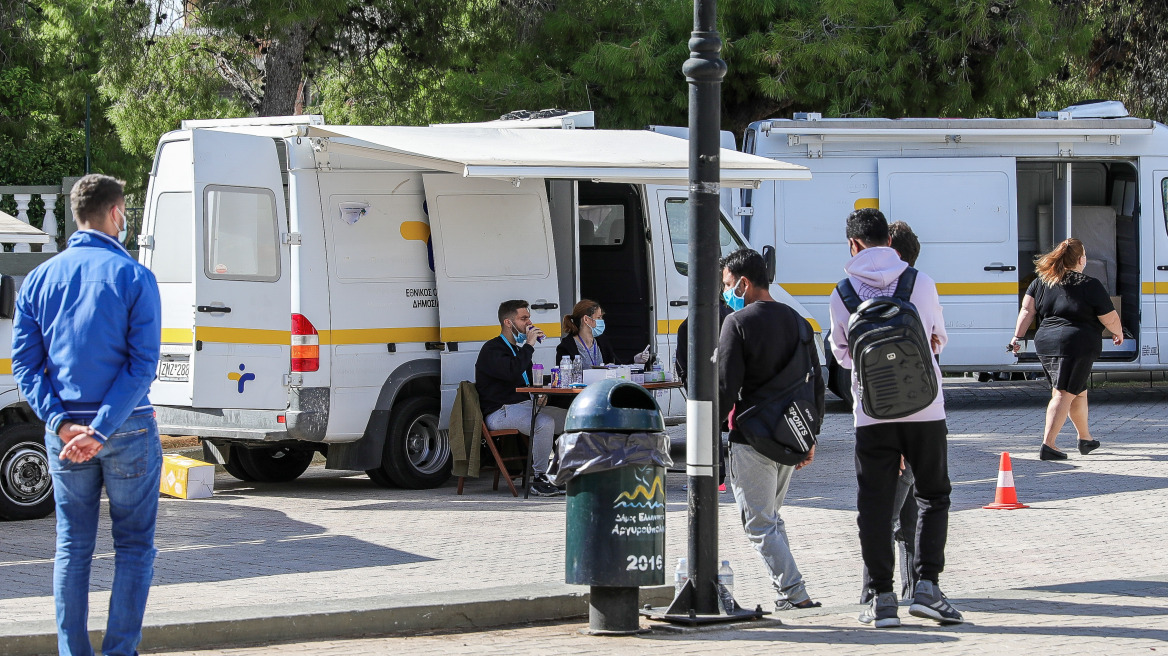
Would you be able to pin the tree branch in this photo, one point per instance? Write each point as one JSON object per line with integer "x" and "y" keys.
{"x": 235, "y": 78}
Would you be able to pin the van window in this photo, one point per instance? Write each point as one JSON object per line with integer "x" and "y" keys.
{"x": 602, "y": 225}
{"x": 174, "y": 217}
{"x": 475, "y": 227}
{"x": 677, "y": 217}
{"x": 242, "y": 238}
{"x": 1164, "y": 197}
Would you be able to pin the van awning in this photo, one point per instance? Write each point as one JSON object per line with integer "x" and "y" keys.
{"x": 635, "y": 156}
{"x": 14, "y": 231}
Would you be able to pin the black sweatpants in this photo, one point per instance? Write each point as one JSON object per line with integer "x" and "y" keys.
{"x": 878, "y": 450}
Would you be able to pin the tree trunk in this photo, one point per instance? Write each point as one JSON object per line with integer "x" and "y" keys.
{"x": 283, "y": 71}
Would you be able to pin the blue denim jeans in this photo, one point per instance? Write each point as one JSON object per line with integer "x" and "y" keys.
{"x": 128, "y": 466}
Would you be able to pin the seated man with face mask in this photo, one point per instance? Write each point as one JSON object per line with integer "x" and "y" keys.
{"x": 504, "y": 364}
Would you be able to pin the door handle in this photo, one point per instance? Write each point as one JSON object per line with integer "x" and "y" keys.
{"x": 213, "y": 308}
{"x": 1001, "y": 267}
{"x": 544, "y": 306}
{"x": 1162, "y": 267}
{"x": 678, "y": 303}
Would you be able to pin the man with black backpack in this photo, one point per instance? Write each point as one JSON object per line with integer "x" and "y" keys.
{"x": 771, "y": 390}
{"x": 886, "y": 326}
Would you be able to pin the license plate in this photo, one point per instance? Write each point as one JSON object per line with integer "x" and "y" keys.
{"x": 177, "y": 371}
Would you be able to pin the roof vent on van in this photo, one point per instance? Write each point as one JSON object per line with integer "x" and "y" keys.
{"x": 807, "y": 116}
{"x": 1089, "y": 109}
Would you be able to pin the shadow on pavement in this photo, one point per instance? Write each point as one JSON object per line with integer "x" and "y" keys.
{"x": 208, "y": 543}
{"x": 1121, "y": 587}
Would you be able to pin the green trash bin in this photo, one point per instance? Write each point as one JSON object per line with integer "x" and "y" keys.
{"x": 613, "y": 456}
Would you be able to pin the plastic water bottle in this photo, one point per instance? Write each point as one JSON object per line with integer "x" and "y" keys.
{"x": 726, "y": 587}
{"x": 658, "y": 373}
{"x": 577, "y": 369}
{"x": 680, "y": 575}
{"x": 565, "y": 371}
{"x": 726, "y": 577}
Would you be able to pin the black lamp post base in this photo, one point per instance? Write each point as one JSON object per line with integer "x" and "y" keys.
{"x": 681, "y": 611}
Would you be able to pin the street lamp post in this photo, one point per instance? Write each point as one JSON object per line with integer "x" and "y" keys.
{"x": 701, "y": 600}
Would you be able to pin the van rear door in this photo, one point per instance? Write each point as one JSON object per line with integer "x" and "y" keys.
{"x": 965, "y": 213}
{"x": 492, "y": 242}
{"x": 241, "y": 314}
{"x": 1157, "y": 289}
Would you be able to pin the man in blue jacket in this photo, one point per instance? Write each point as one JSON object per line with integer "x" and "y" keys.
{"x": 85, "y": 345}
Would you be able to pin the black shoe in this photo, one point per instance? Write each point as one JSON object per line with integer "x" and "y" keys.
{"x": 929, "y": 602}
{"x": 1087, "y": 446}
{"x": 542, "y": 487}
{"x": 787, "y": 604}
{"x": 1047, "y": 453}
{"x": 881, "y": 611}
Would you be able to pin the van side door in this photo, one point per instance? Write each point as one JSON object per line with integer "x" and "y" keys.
{"x": 492, "y": 242}
{"x": 241, "y": 314}
{"x": 964, "y": 211}
{"x": 1158, "y": 288}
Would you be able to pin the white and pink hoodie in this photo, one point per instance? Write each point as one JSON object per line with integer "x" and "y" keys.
{"x": 873, "y": 272}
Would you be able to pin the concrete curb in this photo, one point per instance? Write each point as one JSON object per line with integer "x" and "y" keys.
{"x": 474, "y": 609}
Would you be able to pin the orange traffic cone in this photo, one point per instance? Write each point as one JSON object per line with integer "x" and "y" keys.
{"x": 1006, "y": 498}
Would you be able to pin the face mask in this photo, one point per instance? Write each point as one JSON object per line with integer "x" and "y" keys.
{"x": 122, "y": 231}
{"x": 520, "y": 338}
{"x": 732, "y": 299}
{"x": 598, "y": 329}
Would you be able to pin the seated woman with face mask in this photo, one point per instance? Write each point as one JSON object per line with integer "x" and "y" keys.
{"x": 582, "y": 336}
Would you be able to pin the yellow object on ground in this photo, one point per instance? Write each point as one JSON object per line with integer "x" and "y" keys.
{"x": 186, "y": 478}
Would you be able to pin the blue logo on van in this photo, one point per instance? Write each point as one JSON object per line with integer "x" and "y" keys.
{"x": 242, "y": 378}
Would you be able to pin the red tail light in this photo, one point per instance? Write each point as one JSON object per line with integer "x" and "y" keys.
{"x": 305, "y": 345}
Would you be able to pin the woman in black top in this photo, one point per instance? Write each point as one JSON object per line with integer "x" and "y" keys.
{"x": 583, "y": 336}
{"x": 1072, "y": 310}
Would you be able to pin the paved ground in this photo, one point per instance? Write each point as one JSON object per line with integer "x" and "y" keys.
{"x": 1085, "y": 569}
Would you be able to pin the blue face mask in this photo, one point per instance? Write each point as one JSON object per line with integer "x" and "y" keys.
{"x": 598, "y": 329}
{"x": 520, "y": 338}
{"x": 732, "y": 299}
{"x": 122, "y": 232}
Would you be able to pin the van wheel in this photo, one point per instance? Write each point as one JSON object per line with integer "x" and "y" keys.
{"x": 416, "y": 454}
{"x": 273, "y": 464}
{"x": 839, "y": 380}
{"x": 234, "y": 466}
{"x": 26, "y": 488}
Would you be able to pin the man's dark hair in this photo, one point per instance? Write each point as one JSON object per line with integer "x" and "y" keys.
{"x": 869, "y": 226}
{"x": 747, "y": 263}
{"x": 93, "y": 195}
{"x": 508, "y": 309}
{"x": 905, "y": 241}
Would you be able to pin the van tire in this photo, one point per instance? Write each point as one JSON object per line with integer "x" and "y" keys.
{"x": 416, "y": 454}
{"x": 235, "y": 467}
{"x": 839, "y": 380}
{"x": 26, "y": 488}
{"x": 278, "y": 464}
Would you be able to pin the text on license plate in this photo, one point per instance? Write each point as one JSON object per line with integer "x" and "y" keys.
{"x": 174, "y": 370}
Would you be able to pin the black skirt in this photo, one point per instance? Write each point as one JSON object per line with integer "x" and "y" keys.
{"x": 1068, "y": 373}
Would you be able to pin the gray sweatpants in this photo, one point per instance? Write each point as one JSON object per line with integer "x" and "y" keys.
{"x": 517, "y": 416}
{"x": 759, "y": 486}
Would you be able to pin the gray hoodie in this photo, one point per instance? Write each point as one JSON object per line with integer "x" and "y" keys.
{"x": 874, "y": 272}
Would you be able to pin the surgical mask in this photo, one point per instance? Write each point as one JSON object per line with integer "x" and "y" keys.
{"x": 520, "y": 338}
{"x": 122, "y": 232}
{"x": 598, "y": 329}
{"x": 732, "y": 299}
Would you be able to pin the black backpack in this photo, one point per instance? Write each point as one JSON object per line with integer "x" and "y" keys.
{"x": 891, "y": 354}
{"x": 782, "y": 418}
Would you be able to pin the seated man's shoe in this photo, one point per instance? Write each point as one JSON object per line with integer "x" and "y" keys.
{"x": 929, "y": 602}
{"x": 881, "y": 611}
{"x": 1087, "y": 446}
{"x": 542, "y": 487}
{"x": 1047, "y": 453}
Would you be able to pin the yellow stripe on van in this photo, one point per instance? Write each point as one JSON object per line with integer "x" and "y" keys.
{"x": 814, "y": 325}
{"x": 379, "y": 335}
{"x": 1155, "y": 287}
{"x": 243, "y": 335}
{"x": 483, "y": 333}
{"x": 177, "y": 336}
{"x": 6, "y": 366}
{"x": 668, "y": 327}
{"x": 943, "y": 288}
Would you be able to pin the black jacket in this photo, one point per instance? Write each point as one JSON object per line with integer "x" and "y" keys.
{"x": 498, "y": 371}
{"x": 569, "y": 348}
{"x": 681, "y": 356}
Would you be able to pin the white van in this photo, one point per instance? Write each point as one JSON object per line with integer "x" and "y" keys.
{"x": 985, "y": 196}
{"x": 26, "y": 489}
{"x": 326, "y": 288}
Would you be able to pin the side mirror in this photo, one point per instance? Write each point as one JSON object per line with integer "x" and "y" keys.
{"x": 768, "y": 254}
{"x": 7, "y": 297}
